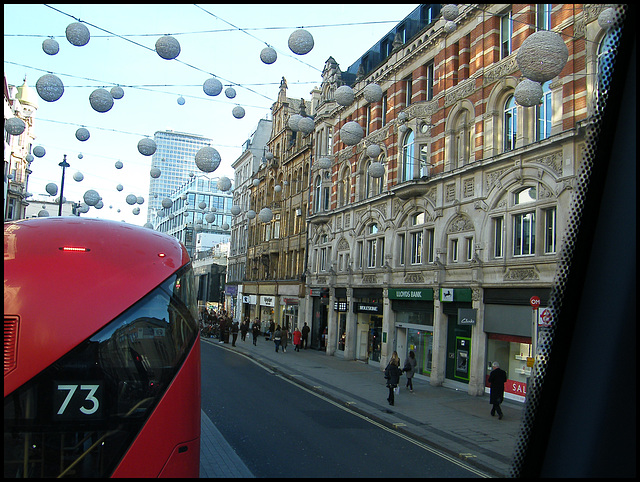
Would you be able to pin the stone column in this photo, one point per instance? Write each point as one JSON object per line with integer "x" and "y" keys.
{"x": 439, "y": 365}
{"x": 332, "y": 324}
{"x": 351, "y": 336}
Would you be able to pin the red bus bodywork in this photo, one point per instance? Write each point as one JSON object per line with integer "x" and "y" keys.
{"x": 66, "y": 280}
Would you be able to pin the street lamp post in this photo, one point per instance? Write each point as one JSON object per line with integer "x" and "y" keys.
{"x": 64, "y": 164}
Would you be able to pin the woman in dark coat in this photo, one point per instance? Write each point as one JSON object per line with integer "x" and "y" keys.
{"x": 497, "y": 379}
{"x": 392, "y": 374}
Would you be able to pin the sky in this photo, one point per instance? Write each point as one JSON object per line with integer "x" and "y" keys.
{"x": 221, "y": 40}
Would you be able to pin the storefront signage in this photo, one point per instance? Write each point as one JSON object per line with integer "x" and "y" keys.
{"x": 446, "y": 294}
{"x": 411, "y": 294}
{"x": 373, "y": 308}
{"x": 231, "y": 290}
{"x": 545, "y": 317}
{"x": 249, "y": 299}
{"x": 289, "y": 301}
{"x": 267, "y": 301}
{"x": 467, "y": 316}
{"x": 341, "y": 306}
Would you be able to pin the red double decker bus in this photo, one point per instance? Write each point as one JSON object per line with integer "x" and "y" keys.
{"x": 101, "y": 351}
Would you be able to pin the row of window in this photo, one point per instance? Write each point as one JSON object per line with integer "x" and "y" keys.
{"x": 416, "y": 243}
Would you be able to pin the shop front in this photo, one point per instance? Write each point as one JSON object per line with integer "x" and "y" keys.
{"x": 413, "y": 309}
{"x": 509, "y": 324}
{"x": 457, "y": 307}
{"x": 369, "y": 336}
{"x": 267, "y": 311}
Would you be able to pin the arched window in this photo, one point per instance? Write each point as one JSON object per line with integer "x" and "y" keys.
{"x": 543, "y": 113}
{"x": 606, "y": 56}
{"x": 318, "y": 194}
{"x": 509, "y": 124}
{"x": 374, "y": 185}
{"x": 408, "y": 158}
{"x": 344, "y": 188}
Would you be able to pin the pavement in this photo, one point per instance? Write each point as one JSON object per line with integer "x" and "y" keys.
{"x": 448, "y": 420}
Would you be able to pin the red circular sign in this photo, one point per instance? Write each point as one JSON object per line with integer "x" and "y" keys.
{"x": 535, "y": 302}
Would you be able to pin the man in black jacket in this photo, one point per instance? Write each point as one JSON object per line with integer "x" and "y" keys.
{"x": 497, "y": 379}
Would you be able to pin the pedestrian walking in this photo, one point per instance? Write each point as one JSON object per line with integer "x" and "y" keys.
{"x": 409, "y": 369}
{"x": 244, "y": 328}
{"x": 277, "y": 337}
{"x": 234, "y": 332}
{"x": 305, "y": 335}
{"x": 392, "y": 374}
{"x": 285, "y": 339}
{"x": 497, "y": 379}
{"x": 255, "y": 331}
{"x": 297, "y": 338}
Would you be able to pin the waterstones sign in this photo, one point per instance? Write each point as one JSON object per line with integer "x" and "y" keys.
{"x": 411, "y": 294}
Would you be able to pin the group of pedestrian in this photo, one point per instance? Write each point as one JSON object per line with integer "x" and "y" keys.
{"x": 281, "y": 338}
{"x": 392, "y": 373}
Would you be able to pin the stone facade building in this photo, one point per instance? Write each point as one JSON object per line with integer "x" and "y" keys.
{"x": 442, "y": 254}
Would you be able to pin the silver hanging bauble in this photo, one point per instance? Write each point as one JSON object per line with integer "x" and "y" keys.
{"x": 147, "y": 146}
{"x": 209, "y": 217}
{"x": 376, "y": 169}
{"x": 230, "y": 92}
{"x": 212, "y": 86}
{"x": 155, "y": 172}
{"x": 131, "y": 199}
{"x": 49, "y": 88}
{"x": 50, "y": 46}
{"x": 224, "y": 183}
{"x": 351, "y": 133}
{"x": 293, "y": 122}
{"x": 148, "y": 225}
{"x": 542, "y": 56}
{"x": 225, "y": 226}
{"x": 166, "y": 203}
{"x": 300, "y": 42}
{"x": 77, "y": 34}
{"x": 82, "y": 134}
{"x": 99, "y": 205}
{"x": 140, "y": 200}
{"x": 235, "y": 210}
{"x": 118, "y": 164}
{"x": 449, "y": 11}
{"x": 277, "y": 188}
{"x": 450, "y": 26}
{"x": 39, "y": 151}
{"x": 136, "y": 210}
{"x": 251, "y": 214}
{"x": 268, "y": 55}
{"x": 43, "y": 213}
{"x": 78, "y": 176}
{"x": 180, "y": 100}
{"x": 528, "y": 93}
{"x": 268, "y": 155}
{"x": 101, "y": 100}
{"x": 202, "y": 205}
{"x": 207, "y": 159}
{"x": 344, "y": 95}
{"x": 117, "y": 92}
{"x": 91, "y": 197}
{"x": 238, "y": 112}
{"x": 80, "y": 156}
{"x": 402, "y": 116}
{"x": 119, "y": 187}
{"x": 29, "y": 158}
{"x": 14, "y": 126}
{"x": 372, "y": 93}
{"x": 167, "y": 47}
{"x": 324, "y": 163}
{"x": 607, "y": 18}
{"x": 265, "y": 215}
{"x": 306, "y": 125}
{"x": 373, "y": 151}
{"x": 51, "y": 188}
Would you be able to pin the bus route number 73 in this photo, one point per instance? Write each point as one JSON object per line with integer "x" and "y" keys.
{"x": 74, "y": 401}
